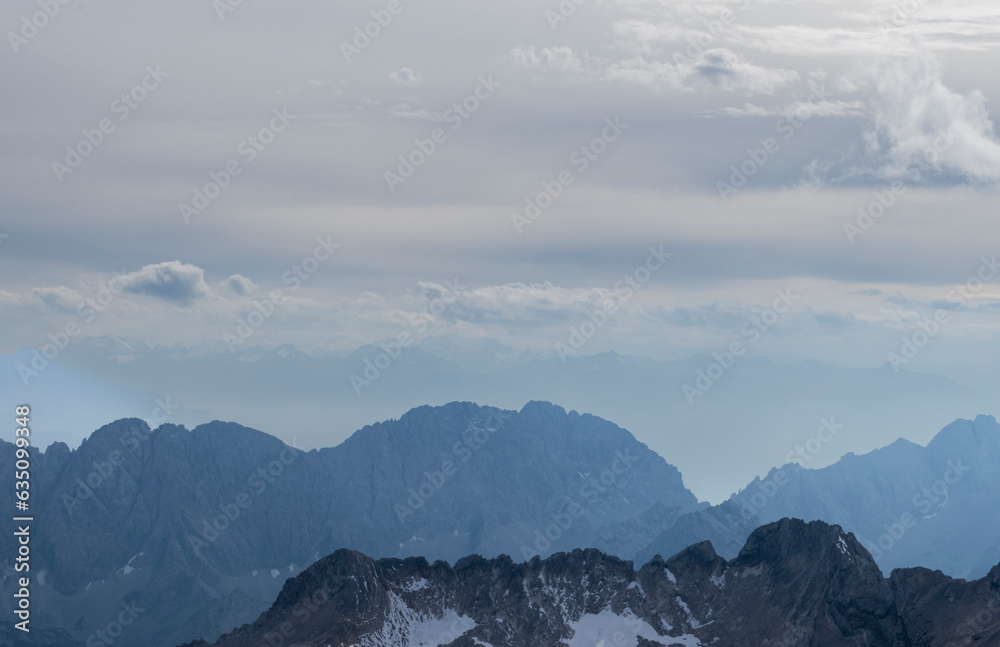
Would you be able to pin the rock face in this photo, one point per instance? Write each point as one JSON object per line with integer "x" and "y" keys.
{"x": 794, "y": 583}
{"x": 199, "y": 529}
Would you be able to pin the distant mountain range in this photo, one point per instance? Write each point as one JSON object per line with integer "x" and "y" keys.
{"x": 792, "y": 584}
{"x": 745, "y": 423}
{"x": 200, "y": 528}
{"x": 934, "y": 506}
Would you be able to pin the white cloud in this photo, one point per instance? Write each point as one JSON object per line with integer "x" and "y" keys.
{"x": 406, "y": 77}
{"x": 813, "y": 109}
{"x": 915, "y": 112}
{"x": 717, "y": 68}
{"x": 237, "y": 284}
{"x": 173, "y": 281}
{"x": 546, "y": 58}
{"x": 920, "y": 130}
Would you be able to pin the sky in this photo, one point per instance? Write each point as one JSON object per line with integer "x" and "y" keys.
{"x": 504, "y": 170}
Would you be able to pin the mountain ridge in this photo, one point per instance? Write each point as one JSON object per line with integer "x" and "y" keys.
{"x": 814, "y": 573}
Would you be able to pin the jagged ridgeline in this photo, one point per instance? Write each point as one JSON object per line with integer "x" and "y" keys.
{"x": 792, "y": 584}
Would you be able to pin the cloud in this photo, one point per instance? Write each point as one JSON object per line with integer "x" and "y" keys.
{"x": 406, "y": 77}
{"x": 237, "y": 285}
{"x": 406, "y": 111}
{"x": 922, "y": 128}
{"x": 173, "y": 281}
{"x": 797, "y": 108}
{"x": 888, "y": 29}
{"x": 61, "y": 299}
{"x": 546, "y": 58}
{"x": 724, "y": 69}
{"x": 919, "y": 130}
{"x": 717, "y": 68}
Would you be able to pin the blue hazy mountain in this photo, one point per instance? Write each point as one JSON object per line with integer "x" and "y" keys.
{"x": 746, "y": 422}
{"x": 200, "y": 528}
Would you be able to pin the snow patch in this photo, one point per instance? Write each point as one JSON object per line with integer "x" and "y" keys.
{"x": 605, "y": 629}
{"x": 406, "y": 627}
{"x": 416, "y": 585}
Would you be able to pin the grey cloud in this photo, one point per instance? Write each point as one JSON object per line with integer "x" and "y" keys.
{"x": 724, "y": 69}
{"x": 59, "y": 299}
{"x": 172, "y": 281}
{"x": 237, "y": 284}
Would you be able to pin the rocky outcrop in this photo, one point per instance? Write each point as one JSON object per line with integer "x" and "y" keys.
{"x": 794, "y": 583}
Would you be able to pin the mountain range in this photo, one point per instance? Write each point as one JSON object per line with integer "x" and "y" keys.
{"x": 258, "y": 385}
{"x": 201, "y": 528}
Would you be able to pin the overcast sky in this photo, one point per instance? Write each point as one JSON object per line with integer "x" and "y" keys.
{"x": 647, "y": 111}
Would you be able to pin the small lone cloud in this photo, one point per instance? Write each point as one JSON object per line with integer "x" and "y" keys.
{"x": 406, "y": 77}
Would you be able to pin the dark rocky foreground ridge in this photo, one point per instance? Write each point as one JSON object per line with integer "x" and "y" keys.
{"x": 793, "y": 583}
